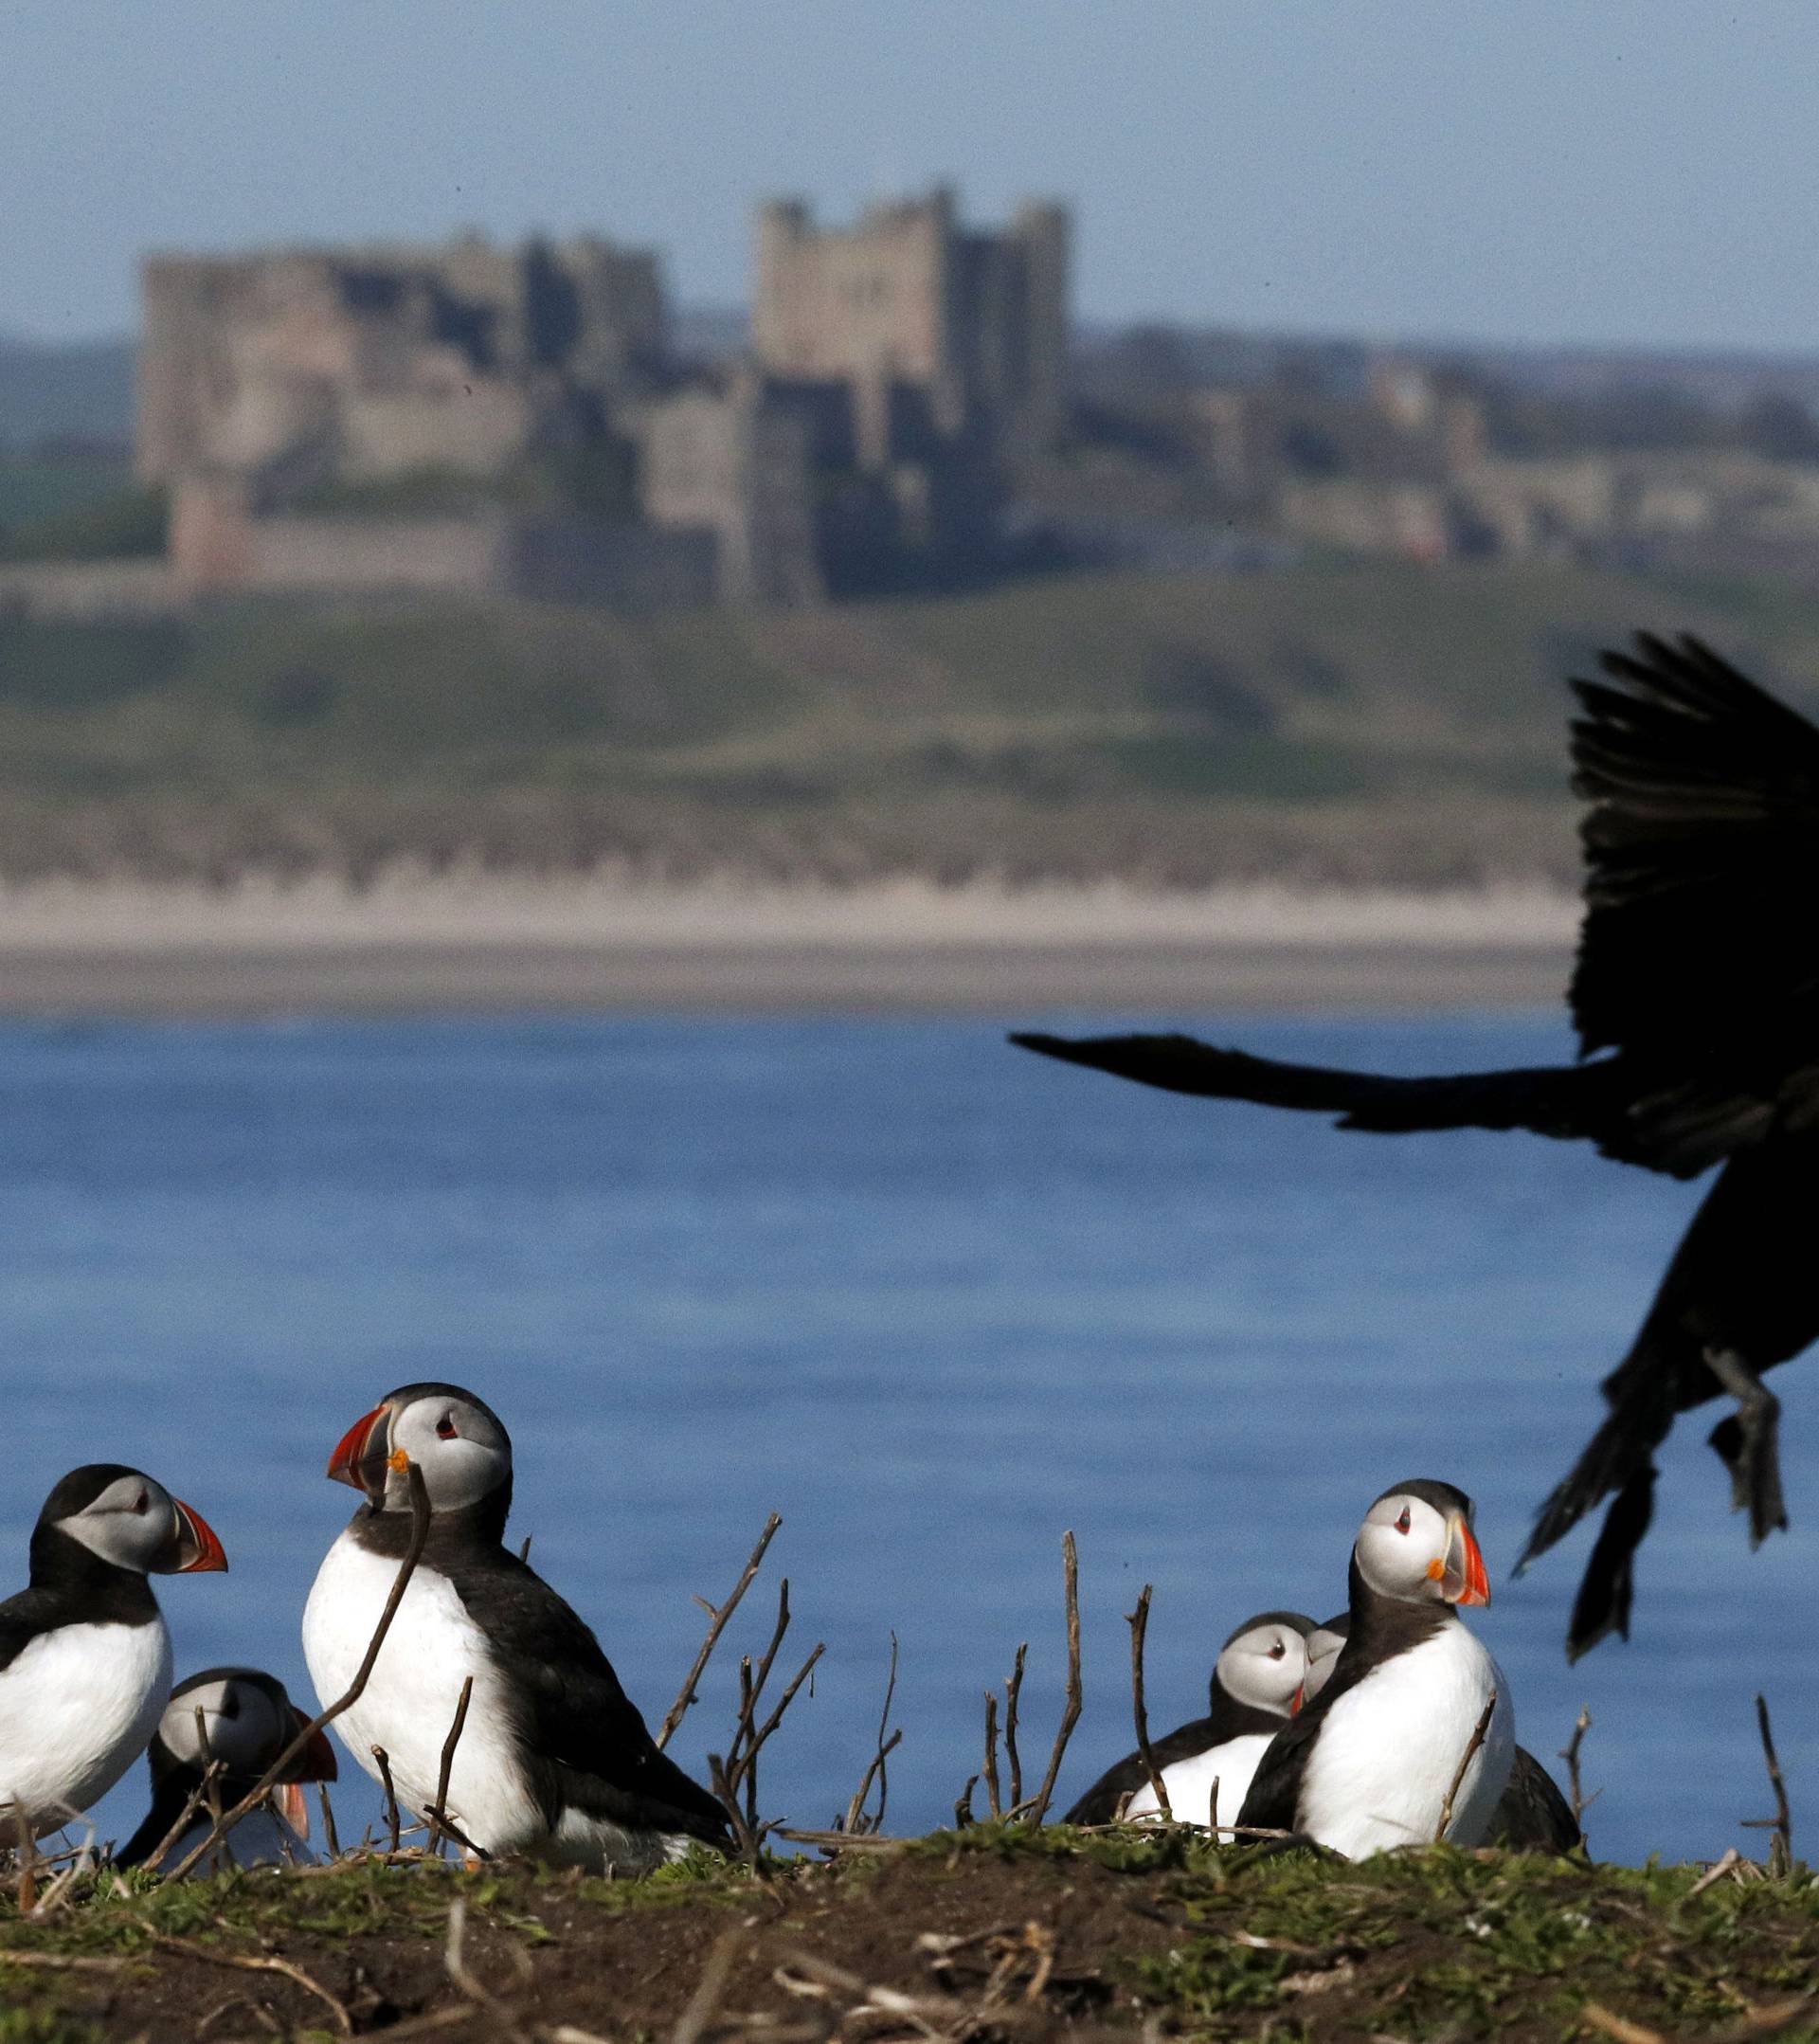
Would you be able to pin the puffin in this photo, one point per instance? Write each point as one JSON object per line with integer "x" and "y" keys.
{"x": 247, "y": 1721}
{"x": 1255, "y": 1688}
{"x": 1368, "y": 1765}
{"x": 1533, "y": 1816}
{"x": 554, "y": 1760}
{"x": 84, "y": 1656}
{"x": 1694, "y": 995}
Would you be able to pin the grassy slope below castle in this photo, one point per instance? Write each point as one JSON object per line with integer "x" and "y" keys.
{"x": 1342, "y": 723}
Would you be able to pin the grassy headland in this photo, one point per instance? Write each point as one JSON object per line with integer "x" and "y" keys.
{"x": 1340, "y": 724}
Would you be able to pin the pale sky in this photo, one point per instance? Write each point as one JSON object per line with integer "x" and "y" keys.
{"x": 1593, "y": 171}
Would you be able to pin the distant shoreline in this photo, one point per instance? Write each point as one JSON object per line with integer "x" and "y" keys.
{"x": 486, "y": 944}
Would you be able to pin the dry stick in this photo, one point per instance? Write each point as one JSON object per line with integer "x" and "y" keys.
{"x": 384, "y": 1759}
{"x": 331, "y": 1838}
{"x": 1012, "y": 1691}
{"x": 263, "y": 1787}
{"x": 991, "y": 1752}
{"x": 716, "y": 1625}
{"x": 693, "y": 2023}
{"x": 454, "y": 1963}
{"x": 343, "y": 2021}
{"x": 855, "y": 1818}
{"x": 438, "y": 1811}
{"x": 1782, "y": 1848}
{"x": 524, "y": 1548}
{"x": 191, "y": 1804}
{"x": 28, "y": 1884}
{"x": 210, "y": 1780}
{"x": 1139, "y": 1622}
{"x": 1071, "y": 1715}
{"x": 1472, "y": 1744}
{"x": 1569, "y": 1754}
{"x": 964, "y": 1804}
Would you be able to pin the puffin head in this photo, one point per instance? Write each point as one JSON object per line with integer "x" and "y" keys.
{"x": 453, "y": 1437}
{"x": 1324, "y": 1647}
{"x": 126, "y": 1519}
{"x": 247, "y": 1721}
{"x": 1265, "y": 1662}
{"x": 1416, "y": 1546}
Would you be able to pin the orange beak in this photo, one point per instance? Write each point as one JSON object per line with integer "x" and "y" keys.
{"x": 345, "y": 1463}
{"x": 1299, "y": 1698}
{"x": 198, "y": 1549}
{"x": 1464, "y": 1579}
{"x": 296, "y": 1811}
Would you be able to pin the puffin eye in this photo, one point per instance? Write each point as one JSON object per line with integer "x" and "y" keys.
{"x": 1402, "y": 1524}
{"x": 143, "y": 1504}
{"x": 1277, "y": 1651}
{"x": 445, "y": 1428}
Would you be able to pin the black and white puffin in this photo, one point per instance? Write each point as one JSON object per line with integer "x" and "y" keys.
{"x": 84, "y": 1656}
{"x": 555, "y": 1759}
{"x": 1533, "y": 1816}
{"x": 1368, "y": 1765}
{"x": 247, "y": 1721}
{"x": 1256, "y": 1688}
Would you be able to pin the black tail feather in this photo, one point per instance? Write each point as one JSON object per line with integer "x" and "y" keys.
{"x": 1609, "y": 1586}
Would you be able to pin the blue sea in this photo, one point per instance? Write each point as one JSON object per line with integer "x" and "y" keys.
{"x": 933, "y": 1300}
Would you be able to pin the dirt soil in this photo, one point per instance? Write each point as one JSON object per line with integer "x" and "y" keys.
{"x": 987, "y": 1934}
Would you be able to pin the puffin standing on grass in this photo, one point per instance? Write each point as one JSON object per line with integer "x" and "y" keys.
{"x": 1256, "y": 1688}
{"x": 247, "y": 1721}
{"x": 1369, "y": 1764}
{"x": 84, "y": 1656}
{"x": 554, "y": 1759}
{"x": 1533, "y": 1816}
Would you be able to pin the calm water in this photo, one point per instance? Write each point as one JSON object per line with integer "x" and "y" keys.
{"x": 932, "y": 1299}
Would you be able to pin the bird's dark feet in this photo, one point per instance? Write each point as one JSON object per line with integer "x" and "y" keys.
{"x": 1749, "y": 1444}
{"x": 1609, "y": 1586}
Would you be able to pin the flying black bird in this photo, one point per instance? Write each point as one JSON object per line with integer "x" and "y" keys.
{"x": 1696, "y": 998}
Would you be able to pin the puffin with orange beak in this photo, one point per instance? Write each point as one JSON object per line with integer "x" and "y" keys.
{"x": 84, "y": 1656}
{"x": 1369, "y": 1761}
{"x": 554, "y": 1758}
{"x": 242, "y": 1718}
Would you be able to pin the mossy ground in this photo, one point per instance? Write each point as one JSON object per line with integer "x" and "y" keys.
{"x": 992, "y": 1932}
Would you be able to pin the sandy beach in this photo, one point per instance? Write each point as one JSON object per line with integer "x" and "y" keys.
{"x": 478, "y": 942}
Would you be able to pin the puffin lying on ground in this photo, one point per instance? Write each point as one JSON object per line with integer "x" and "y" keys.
{"x": 555, "y": 1759}
{"x": 84, "y": 1657}
{"x": 247, "y": 1721}
{"x": 1533, "y": 1816}
{"x": 1368, "y": 1765}
{"x": 1255, "y": 1688}
{"x": 1696, "y": 998}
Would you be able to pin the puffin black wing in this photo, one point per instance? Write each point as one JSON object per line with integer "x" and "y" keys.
{"x": 25, "y": 1618}
{"x": 1533, "y": 1815}
{"x": 1699, "y": 953}
{"x": 169, "y": 1797}
{"x": 1274, "y": 1797}
{"x": 1099, "y": 1805}
{"x": 586, "y": 1746}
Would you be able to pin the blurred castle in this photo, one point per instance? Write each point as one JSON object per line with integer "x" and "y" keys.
{"x": 520, "y": 419}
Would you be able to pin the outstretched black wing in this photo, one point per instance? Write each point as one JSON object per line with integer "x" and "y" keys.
{"x": 1533, "y": 1816}
{"x": 1699, "y": 955}
{"x": 585, "y": 1745}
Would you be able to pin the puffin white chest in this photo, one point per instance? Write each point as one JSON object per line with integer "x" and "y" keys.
{"x": 411, "y": 1700}
{"x": 1190, "y": 1782}
{"x": 78, "y": 1707}
{"x": 1378, "y": 1774}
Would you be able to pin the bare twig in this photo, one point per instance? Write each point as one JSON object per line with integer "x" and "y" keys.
{"x": 331, "y": 1838}
{"x": 344, "y": 2023}
{"x": 455, "y": 1965}
{"x": 1569, "y": 1754}
{"x": 26, "y": 1884}
{"x": 1070, "y": 1714}
{"x": 737, "y": 1773}
{"x": 992, "y": 1799}
{"x": 355, "y": 1690}
{"x": 1139, "y": 1622}
{"x": 1477, "y": 1738}
{"x": 437, "y": 1816}
{"x": 856, "y": 1820}
{"x": 384, "y": 1759}
{"x": 60, "y": 1962}
{"x": 1595, "y": 2016}
{"x": 191, "y": 1804}
{"x": 693, "y": 2023}
{"x": 716, "y": 1625}
{"x": 524, "y": 1548}
{"x": 1012, "y": 1694}
{"x": 964, "y": 1804}
{"x": 1781, "y": 1845}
